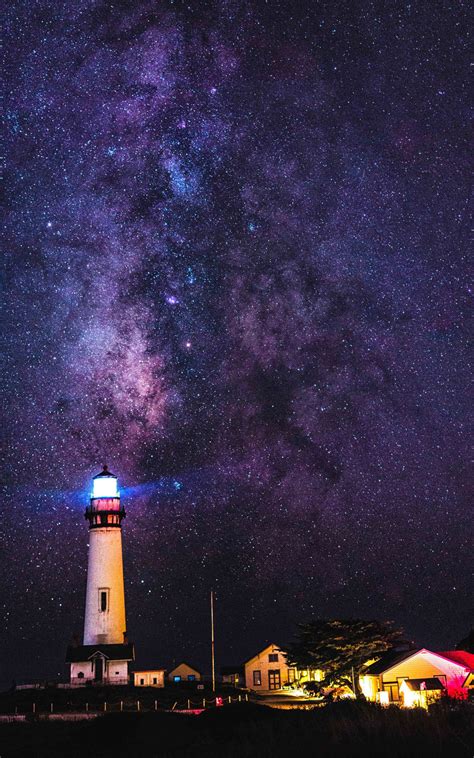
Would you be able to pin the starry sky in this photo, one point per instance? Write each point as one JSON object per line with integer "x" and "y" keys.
{"x": 235, "y": 269}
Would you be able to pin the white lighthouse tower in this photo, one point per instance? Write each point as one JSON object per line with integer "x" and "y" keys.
{"x": 105, "y": 596}
{"x": 103, "y": 657}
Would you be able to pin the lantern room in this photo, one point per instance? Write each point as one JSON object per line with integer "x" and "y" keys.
{"x": 104, "y": 484}
{"x": 105, "y": 508}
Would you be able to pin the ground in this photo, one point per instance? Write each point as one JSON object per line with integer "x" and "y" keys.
{"x": 349, "y": 729}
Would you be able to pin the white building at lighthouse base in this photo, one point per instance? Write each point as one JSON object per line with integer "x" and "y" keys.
{"x": 99, "y": 664}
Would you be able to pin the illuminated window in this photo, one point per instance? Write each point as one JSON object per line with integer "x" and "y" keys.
{"x": 191, "y": 678}
{"x": 176, "y": 678}
{"x": 257, "y": 678}
{"x": 273, "y": 657}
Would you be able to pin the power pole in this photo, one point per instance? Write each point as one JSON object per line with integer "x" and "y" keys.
{"x": 213, "y": 662}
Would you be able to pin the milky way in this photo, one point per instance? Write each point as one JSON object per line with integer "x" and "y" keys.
{"x": 235, "y": 269}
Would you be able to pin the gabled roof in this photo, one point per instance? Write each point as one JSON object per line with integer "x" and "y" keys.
{"x": 81, "y": 653}
{"x": 184, "y": 663}
{"x": 460, "y": 656}
{"x": 388, "y": 660}
{"x": 392, "y": 659}
{"x": 264, "y": 649}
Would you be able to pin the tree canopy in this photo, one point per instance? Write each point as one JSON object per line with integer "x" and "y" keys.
{"x": 341, "y": 647}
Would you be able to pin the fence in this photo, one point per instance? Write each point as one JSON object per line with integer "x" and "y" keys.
{"x": 69, "y": 710}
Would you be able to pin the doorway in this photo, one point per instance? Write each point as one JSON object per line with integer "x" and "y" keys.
{"x": 99, "y": 669}
{"x": 274, "y": 680}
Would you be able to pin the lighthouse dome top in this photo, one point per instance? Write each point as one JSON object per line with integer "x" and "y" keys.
{"x": 105, "y": 484}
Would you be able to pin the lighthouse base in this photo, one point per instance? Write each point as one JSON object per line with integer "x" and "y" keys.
{"x": 99, "y": 665}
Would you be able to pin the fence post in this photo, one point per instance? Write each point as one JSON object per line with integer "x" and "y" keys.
{"x": 87, "y": 707}
{"x": 156, "y": 705}
{"x": 121, "y": 705}
{"x": 138, "y": 705}
{"x": 230, "y": 699}
{"x": 105, "y": 705}
{"x": 204, "y": 702}
{"x": 34, "y": 707}
{"x": 51, "y": 707}
{"x": 247, "y": 696}
{"x": 189, "y": 704}
{"x": 240, "y": 698}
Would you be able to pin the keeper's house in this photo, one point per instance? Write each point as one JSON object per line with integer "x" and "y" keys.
{"x": 417, "y": 677}
{"x": 268, "y": 671}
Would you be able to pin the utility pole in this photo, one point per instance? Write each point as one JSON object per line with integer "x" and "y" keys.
{"x": 213, "y": 662}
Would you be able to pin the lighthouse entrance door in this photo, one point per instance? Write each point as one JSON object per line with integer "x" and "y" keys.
{"x": 99, "y": 669}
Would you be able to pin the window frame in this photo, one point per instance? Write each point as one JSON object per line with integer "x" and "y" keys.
{"x": 104, "y": 592}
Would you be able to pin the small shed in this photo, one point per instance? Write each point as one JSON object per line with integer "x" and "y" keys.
{"x": 184, "y": 672}
{"x": 149, "y": 678}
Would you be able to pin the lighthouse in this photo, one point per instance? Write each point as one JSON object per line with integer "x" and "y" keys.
{"x": 104, "y": 655}
{"x": 105, "y": 595}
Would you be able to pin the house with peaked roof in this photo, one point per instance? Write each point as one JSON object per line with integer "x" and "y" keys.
{"x": 184, "y": 672}
{"x": 395, "y": 675}
{"x": 268, "y": 671}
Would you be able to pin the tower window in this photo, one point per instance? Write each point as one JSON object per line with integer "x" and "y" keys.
{"x": 103, "y": 600}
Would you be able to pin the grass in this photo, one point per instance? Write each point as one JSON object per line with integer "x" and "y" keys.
{"x": 76, "y": 699}
{"x": 243, "y": 731}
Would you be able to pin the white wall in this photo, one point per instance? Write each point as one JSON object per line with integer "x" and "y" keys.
{"x": 116, "y": 670}
{"x": 113, "y": 671}
{"x": 85, "y": 668}
{"x": 105, "y": 572}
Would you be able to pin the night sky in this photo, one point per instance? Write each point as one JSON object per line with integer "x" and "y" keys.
{"x": 236, "y": 270}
